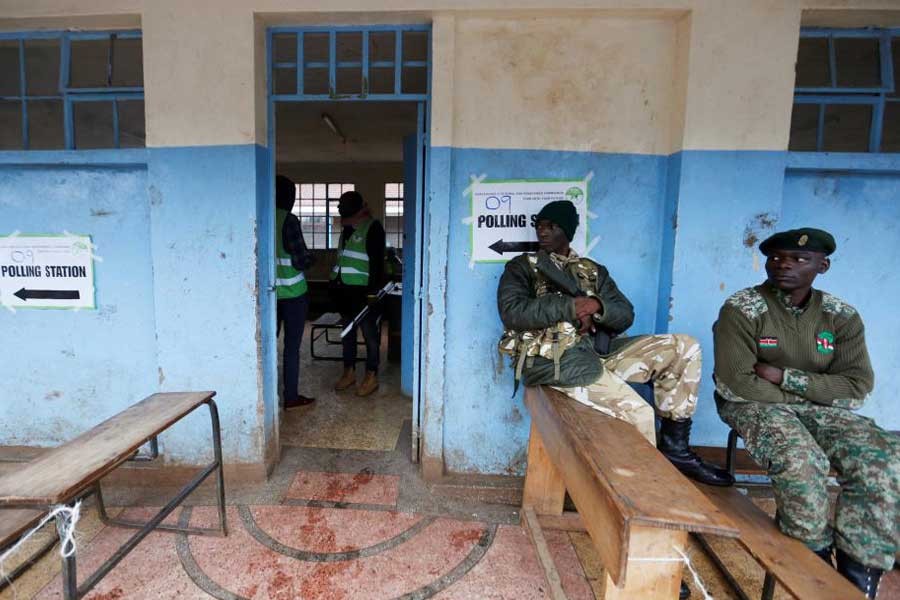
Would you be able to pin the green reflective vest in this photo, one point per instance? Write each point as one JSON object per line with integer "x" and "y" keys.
{"x": 352, "y": 260}
{"x": 289, "y": 282}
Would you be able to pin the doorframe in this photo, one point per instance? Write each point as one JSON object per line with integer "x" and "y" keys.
{"x": 270, "y": 387}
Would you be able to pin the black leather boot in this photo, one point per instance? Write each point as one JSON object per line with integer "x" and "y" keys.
{"x": 673, "y": 443}
{"x": 685, "y": 592}
{"x": 863, "y": 577}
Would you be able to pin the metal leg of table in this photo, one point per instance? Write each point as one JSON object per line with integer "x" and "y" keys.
{"x": 69, "y": 571}
{"x": 220, "y": 475}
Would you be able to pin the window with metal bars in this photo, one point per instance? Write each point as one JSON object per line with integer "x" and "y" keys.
{"x": 350, "y": 63}
{"x": 393, "y": 215}
{"x": 317, "y": 207}
{"x": 71, "y": 90}
{"x": 846, "y": 97}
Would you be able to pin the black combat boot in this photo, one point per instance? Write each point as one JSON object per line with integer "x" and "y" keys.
{"x": 685, "y": 592}
{"x": 673, "y": 443}
{"x": 863, "y": 577}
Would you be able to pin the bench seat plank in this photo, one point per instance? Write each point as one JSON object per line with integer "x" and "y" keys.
{"x": 647, "y": 490}
{"x": 61, "y": 473}
{"x": 792, "y": 564}
{"x": 16, "y": 521}
{"x": 618, "y": 480}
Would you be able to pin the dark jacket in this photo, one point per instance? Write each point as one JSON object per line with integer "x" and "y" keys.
{"x": 294, "y": 244}
{"x": 522, "y": 310}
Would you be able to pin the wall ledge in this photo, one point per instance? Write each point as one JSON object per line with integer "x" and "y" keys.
{"x": 111, "y": 157}
{"x": 849, "y": 162}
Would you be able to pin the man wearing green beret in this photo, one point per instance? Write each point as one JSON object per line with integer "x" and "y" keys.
{"x": 563, "y": 312}
{"x": 791, "y": 367}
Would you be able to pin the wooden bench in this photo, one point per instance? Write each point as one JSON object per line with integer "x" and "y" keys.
{"x": 67, "y": 473}
{"x": 784, "y": 559}
{"x": 636, "y": 507}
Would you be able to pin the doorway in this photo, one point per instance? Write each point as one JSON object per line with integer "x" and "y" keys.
{"x": 348, "y": 111}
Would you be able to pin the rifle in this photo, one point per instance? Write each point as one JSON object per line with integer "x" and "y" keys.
{"x": 566, "y": 283}
{"x": 387, "y": 289}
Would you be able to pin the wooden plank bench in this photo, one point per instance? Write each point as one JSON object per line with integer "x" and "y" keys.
{"x": 65, "y": 474}
{"x": 636, "y": 506}
{"x": 786, "y": 560}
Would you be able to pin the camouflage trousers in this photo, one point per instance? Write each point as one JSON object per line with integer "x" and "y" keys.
{"x": 672, "y": 362}
{"x": 799, "y": 443}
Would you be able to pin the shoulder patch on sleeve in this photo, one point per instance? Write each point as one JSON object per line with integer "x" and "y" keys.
{"x": 749, "y": 301}
{"x": 836, "y": 306}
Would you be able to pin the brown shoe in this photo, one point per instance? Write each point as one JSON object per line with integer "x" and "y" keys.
{"x": 347, "y": 379}
{"x": 368, "y": 385}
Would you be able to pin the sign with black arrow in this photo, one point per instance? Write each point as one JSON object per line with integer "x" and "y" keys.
{"x": 46, "y": 271}
{"x": 504, "y": 214}
{"x": 501, "y": 247}
{"x": 25, "y": 294}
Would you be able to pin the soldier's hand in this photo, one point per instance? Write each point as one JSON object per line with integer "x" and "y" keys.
{"x": 769, "y": 373}
{"x": 587, "y": 324}
{"x": 586, "y": 306}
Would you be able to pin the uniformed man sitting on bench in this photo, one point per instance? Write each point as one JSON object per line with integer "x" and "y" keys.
{"x": 791, "y": 366}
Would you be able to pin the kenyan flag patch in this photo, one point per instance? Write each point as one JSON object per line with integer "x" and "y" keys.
{"x": 825, "y": 342}
{"x": 768, "y": 342}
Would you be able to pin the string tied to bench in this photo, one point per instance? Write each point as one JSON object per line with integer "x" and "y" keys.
{"x": 69, "y": 519}
{"x": 687, "y": 562}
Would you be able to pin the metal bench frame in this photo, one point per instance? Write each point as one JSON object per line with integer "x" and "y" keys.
{"x": 71, "y": 589}
{"x": 317, "y": 330}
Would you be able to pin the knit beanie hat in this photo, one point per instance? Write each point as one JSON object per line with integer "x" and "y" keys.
{"x": 563, "y": 213}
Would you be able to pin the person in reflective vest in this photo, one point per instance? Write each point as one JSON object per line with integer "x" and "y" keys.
{"x": 291, "y": 259}
{"x": 355, "y": 278}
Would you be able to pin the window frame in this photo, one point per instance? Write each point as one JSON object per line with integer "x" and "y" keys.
{"x": 298, "y": 204}
{"x": 67, "y": 94}
{"x": 877, "y": 97}
{"x": 388, "y": 233}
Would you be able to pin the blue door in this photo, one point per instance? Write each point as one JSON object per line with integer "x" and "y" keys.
{"x": 411, "y": 321}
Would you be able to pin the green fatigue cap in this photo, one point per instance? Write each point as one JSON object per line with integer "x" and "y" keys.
{"x": 563, "y": 213}
{"x": 806, "y": 238}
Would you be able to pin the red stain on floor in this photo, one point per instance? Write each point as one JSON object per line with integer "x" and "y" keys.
{"x": 361, "y": 488}
{"x": 113, "y": 594}
{"x": 466, "y": 537}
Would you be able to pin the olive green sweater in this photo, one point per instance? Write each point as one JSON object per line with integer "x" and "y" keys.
{"x": 821, "y": 347}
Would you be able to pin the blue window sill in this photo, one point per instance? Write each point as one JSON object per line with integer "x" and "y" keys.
{"x": 129, "y": 156}
{"x": 858, "y": 162}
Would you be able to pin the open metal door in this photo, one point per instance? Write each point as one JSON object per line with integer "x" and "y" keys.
{"x": 413, "y": 272}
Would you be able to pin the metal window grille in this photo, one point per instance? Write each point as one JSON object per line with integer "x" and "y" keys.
{"x": 846, "y": 96}
{"x": 74, "y": 90}
{"x": 393, "y": 214}
{"x": 316, "y": 205}
{"x": 350, "y": 63}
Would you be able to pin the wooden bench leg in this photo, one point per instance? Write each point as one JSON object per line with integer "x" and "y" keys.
{"x": 646, "y": 577}
{"x": 544, "y": 488}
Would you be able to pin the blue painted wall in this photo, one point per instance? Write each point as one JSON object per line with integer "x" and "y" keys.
{"x": 65, "y": 371}
{"x": 485, "y": 429}
{"x": 177, "y": 293}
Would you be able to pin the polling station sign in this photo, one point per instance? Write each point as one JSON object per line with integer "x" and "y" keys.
{"x": 46, "y": 271}
{"x": 504, "y": 214}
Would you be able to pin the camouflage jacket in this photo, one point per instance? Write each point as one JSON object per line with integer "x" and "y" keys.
{"x": 541, "y": 331}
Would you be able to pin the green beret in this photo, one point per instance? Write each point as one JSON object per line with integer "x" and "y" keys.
{"x": 563, "y": 213}
{"x": 806, "y": 238}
